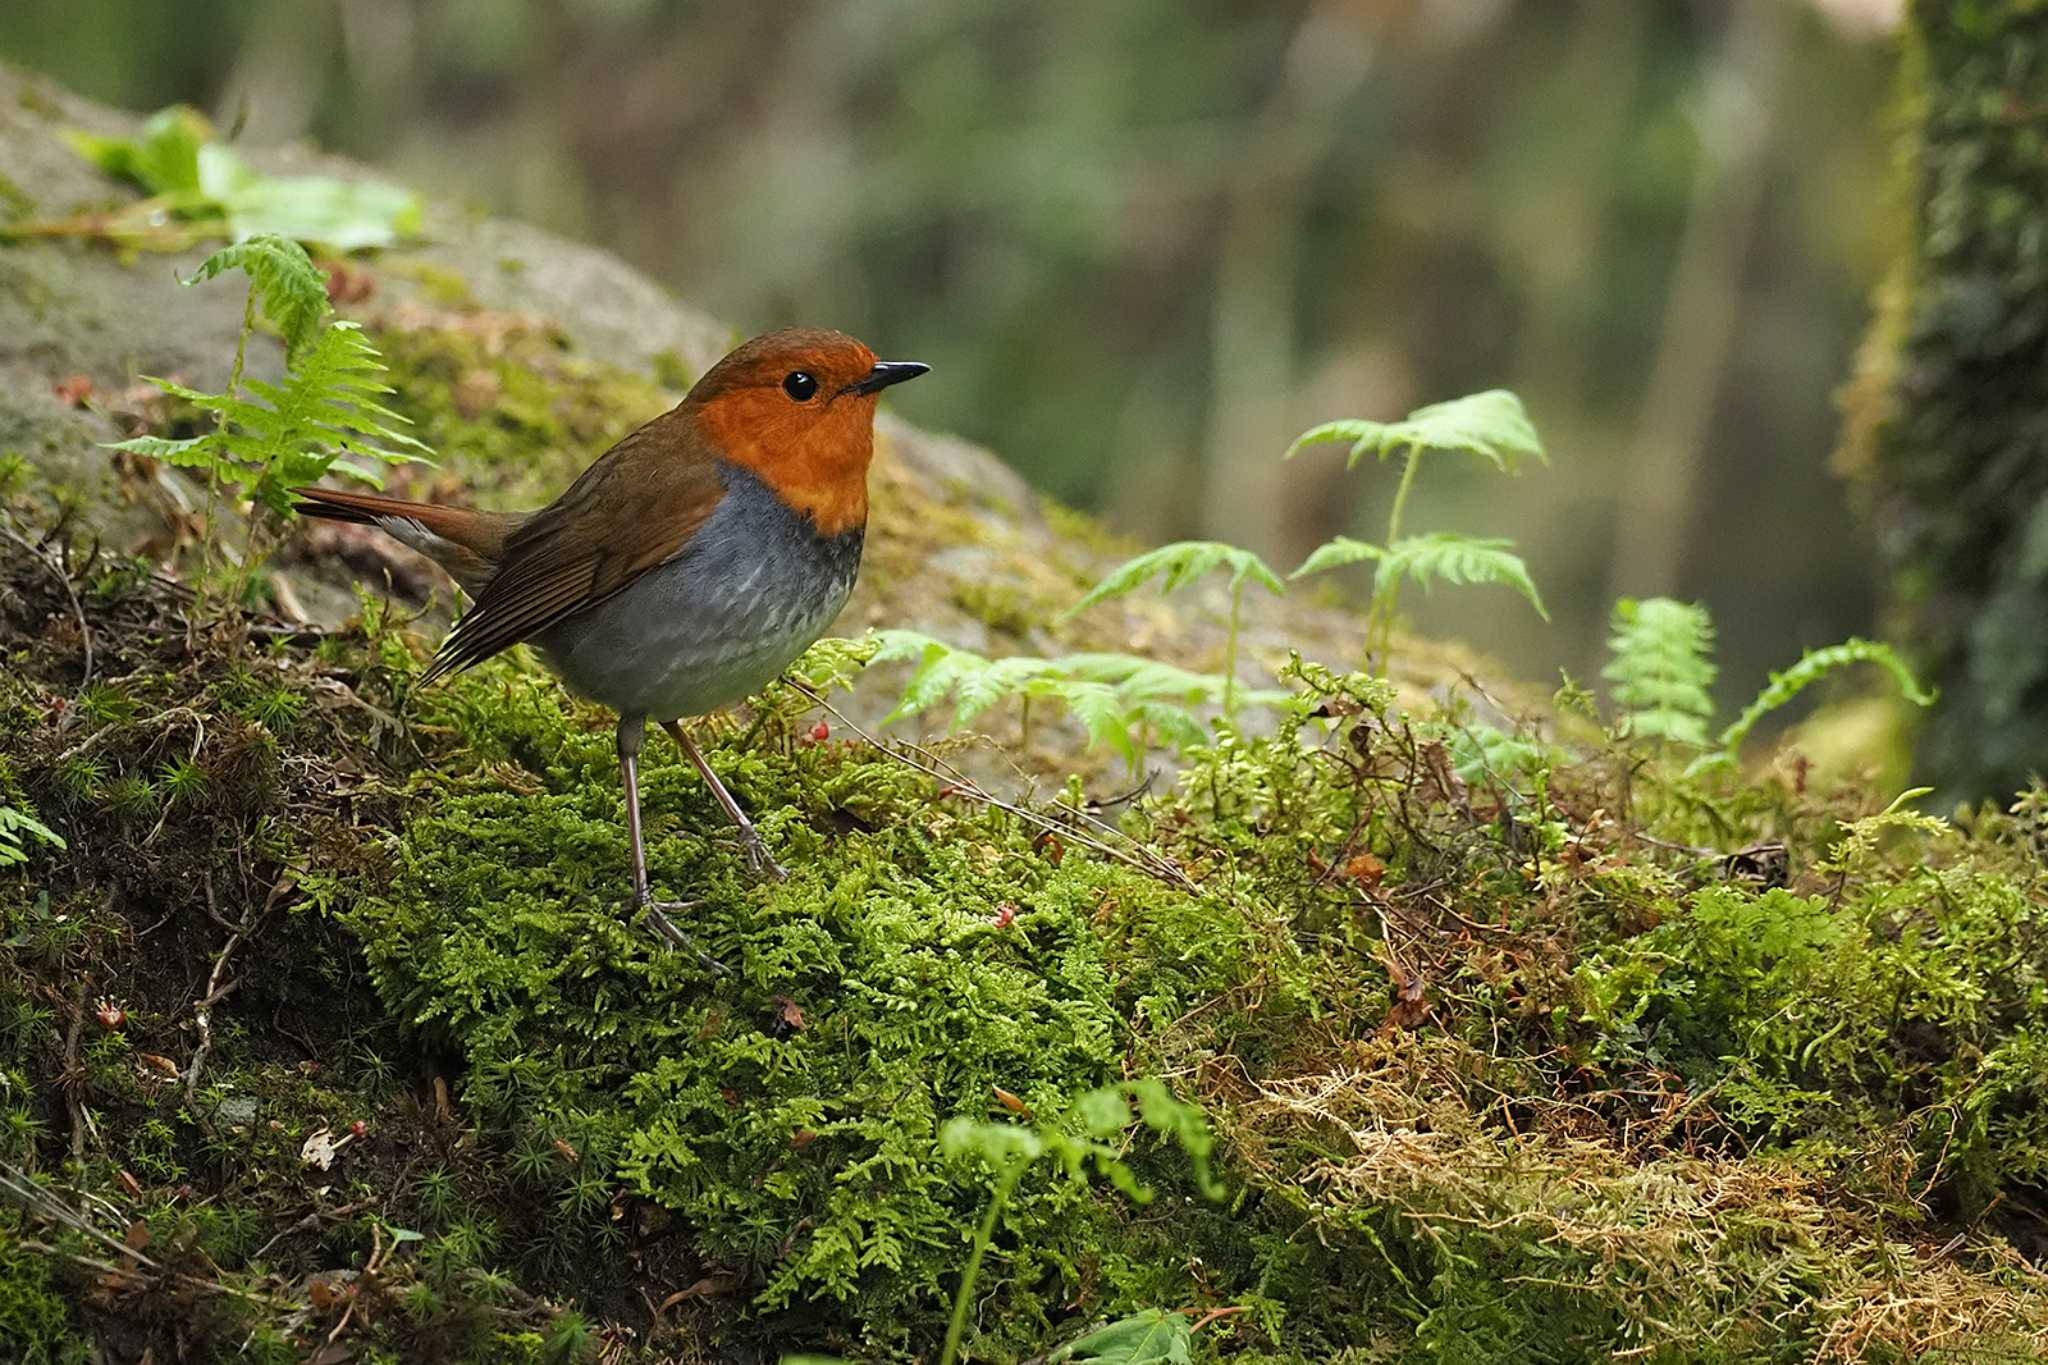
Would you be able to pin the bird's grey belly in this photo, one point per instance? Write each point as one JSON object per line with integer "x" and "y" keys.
{"x": 753, "y": 589}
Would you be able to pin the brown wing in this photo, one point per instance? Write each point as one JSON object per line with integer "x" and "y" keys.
{"x": 638, "y": 505}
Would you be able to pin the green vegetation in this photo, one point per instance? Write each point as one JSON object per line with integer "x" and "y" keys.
{"x": 1394, "y": 1033}
{"x": 284, "y": 436}
{"x": 198, "y": 188}
{"x": 1490, "y": 425}
{"x": 1492, "y": 1071}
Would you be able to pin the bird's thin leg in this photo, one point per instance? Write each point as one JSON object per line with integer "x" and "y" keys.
{"x": 632, "y": 732}
{"x": 758, "y": 858}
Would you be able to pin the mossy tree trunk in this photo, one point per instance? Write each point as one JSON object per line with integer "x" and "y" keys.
{"x": 1949, "y": 423}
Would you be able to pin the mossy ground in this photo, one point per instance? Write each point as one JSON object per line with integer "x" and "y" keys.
{"x": 1502, "y": 1069}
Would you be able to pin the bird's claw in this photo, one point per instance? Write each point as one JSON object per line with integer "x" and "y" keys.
{"x": 664, "y": 928}
{"x": 760, "y": 862}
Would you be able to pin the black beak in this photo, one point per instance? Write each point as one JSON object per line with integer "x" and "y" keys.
{"x": 885, "y": 373}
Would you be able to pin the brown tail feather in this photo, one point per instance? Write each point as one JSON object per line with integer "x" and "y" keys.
{"x": 466, "y": 542}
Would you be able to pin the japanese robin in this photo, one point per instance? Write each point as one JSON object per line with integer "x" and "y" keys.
{"x": 685, "y": 568}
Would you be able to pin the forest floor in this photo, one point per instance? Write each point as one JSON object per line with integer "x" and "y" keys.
{"x": 329, "y": 1037}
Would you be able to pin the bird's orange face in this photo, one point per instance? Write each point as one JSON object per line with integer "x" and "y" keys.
{"x": 797, "y": 409}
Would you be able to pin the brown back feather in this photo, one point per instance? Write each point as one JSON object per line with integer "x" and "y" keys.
{"x": 637, "y": 506}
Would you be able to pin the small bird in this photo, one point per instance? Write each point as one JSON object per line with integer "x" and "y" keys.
{"x": 685, "y": 568}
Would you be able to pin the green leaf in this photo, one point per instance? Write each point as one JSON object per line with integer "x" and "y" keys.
{"x": 289, "y": 288}
{"x": 998, "y": 1144}
{"x": 1104, "y": 716}
{"x": 1456, "y": 559}
{"x": 1814, "y": 665}
{"x": 163, "y": 160}
{"x": 15, "y": 823}
{"x": 192, "y": 452}
{"x": 1336, "y": 554}
{"x": 342, "y": 214}
{"x": 1103, "y": 1111}
{"x": 995, "y": 681}
{"x": 1492, "y": 425}
{"x": 1153, "y": 1337}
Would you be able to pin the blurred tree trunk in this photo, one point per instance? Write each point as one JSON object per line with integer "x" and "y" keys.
{"x": 1947, "y": 421}
{"x": 1736, "y": 123}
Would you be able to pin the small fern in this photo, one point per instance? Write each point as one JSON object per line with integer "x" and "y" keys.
{"x": 1491, "y": 425}
{"x": 1180, "y": 564}
{"x": 18, "y": 829}
{"x": 268, "y": 439}
{"x": 1662, "y": 669}
{"x": 1814, "y": 665}
{"x": 1122, "y": 701}
{"x": 1444, "y": 554}
{"x": 1663, "y": 673}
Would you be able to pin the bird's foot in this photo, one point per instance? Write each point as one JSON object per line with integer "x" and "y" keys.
{"x": 759, "y": 861}
{"x": 661, "y": 926}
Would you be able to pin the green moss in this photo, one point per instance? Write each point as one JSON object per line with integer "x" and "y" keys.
{"x": 997, "y": 604}
{"x": 672, "y": 372}
{"x": 34, "y": 1320}
{"x": 15, "y": 202}
{"x": 439, "y": 285}
{"x": 1494, "y": 1076}
{"x": 509, "y": 410}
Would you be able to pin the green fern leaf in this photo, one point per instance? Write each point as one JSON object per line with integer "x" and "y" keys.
{"x": 295, "y": 431}
{"x": 1336, "y": 554}
{"x": 1178, "y": 565}
{"x": 1136, "y": 677}
{"x": 903, "y": 646}
{"x": 999, "y": 680}
{"x": 1814, "y": 665}
{"x": 1456, "y": 559}
{"x": 1492, "y": 425}
{"x": 289, "y": 288}
{"x": 934, "y": 680}
{"x": 192, "y": 452}
{"x": 1662, "y": 668}
{"x": 1102, "y": 713}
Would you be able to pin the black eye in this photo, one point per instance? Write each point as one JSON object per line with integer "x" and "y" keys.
{"x": 800, "y": 385}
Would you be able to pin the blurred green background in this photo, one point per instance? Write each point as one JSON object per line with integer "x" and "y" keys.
{"x": 1144, "y": 243}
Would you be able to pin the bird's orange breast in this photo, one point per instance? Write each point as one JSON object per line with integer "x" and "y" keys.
{"x": 814, "y": 460}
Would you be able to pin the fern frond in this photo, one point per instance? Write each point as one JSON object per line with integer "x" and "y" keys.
{"x": 994, "y": 681}
{"x": 1492, "y": 425}
{"x": 1337, "y": 553}
{"x": 291, "y": 434}
{"x": 289, "y": 288}
{"x": 1102, "y": 713}
{"x": 1814, "y": 665}
{"x": 1137, "y": 677}
{"x": 1178, "y": 565}
{"x": 1662, "y": 668}
{"x": 1456, "y": 559}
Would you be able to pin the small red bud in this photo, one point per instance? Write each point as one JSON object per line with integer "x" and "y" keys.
{"x": 820, "y": 732}
{"x": 1004, "y": 917}
{"x": 359, "y": 1129}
